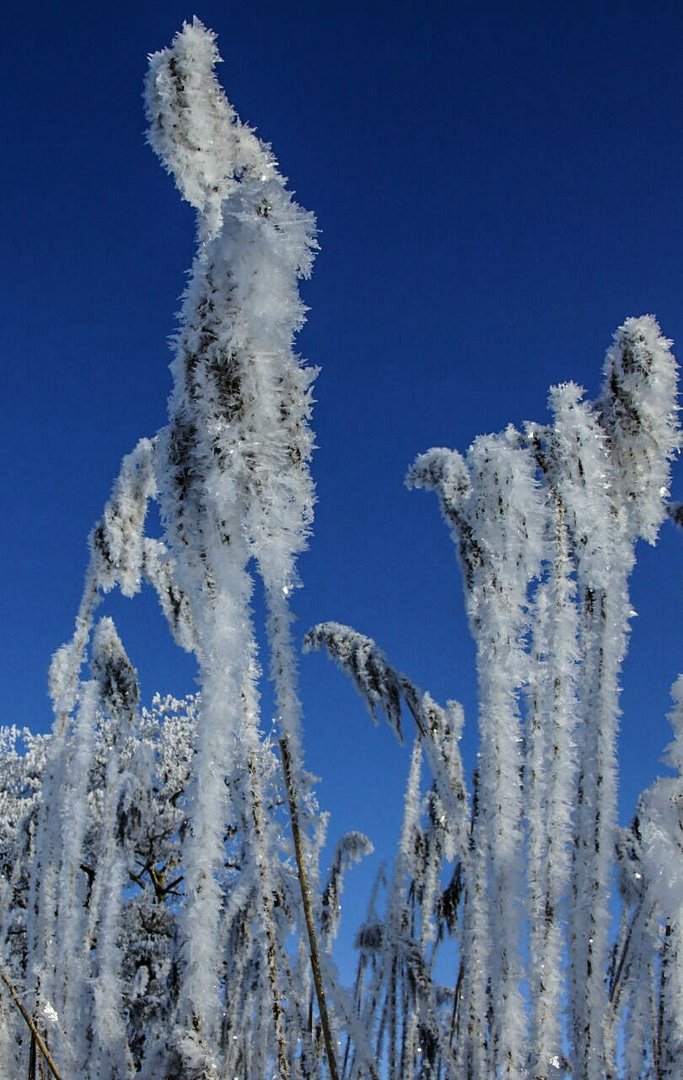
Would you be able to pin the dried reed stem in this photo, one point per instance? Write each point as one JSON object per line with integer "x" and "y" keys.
{"x": 308, "y": 908}
{"x": 32, "y": 1027}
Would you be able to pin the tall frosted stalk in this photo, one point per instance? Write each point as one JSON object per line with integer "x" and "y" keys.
{"x": 232, "y": 464}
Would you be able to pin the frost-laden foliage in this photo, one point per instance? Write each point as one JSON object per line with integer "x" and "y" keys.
{"x": 162, "y": 910}
{"x": 178, "y": 929}
{"x": 407, "y": 1014}
{"x": 545, "y": 522}
{"x": 113, "y": 838}
{"x": 103, "y": 808}
{"x": 646, "y": 974}
{"x": 234, "y": 485}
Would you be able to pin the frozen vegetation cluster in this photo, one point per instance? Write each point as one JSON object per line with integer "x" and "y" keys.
{"x": 164, "y": 913}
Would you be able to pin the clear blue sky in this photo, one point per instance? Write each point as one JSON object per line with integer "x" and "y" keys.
{"x": 497, "y": 187}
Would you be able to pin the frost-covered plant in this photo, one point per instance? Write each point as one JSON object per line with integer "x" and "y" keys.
{"x": 647, "y": 967}
{"x": 407, "y": 1014}
{"x": 545, "y": 522}
{"x": 230, "y": 473}
{"x": 115, "y": 836}
{"x": 153, "y": 917}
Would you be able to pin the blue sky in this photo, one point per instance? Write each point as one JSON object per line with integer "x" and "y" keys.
{"x": 497, "y": 187}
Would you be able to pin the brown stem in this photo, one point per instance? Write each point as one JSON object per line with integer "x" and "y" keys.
{"x": 308, "y": 907}
{"x": 32, "y": 1027}
{"x": 32, "y": 1059}
{"x": 660, "y": 1060}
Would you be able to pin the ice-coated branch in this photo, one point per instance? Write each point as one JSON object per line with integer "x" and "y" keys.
{"x": 233, "y": 476}
{"x": 375, "y": 680}
{"x": 545, "y": 524}
{"x": 117, "y": 541}
{"x": 194, "y": 129}
{"x": 352, "y": 847}
{"x": 115, "y": 675}
{"x": 116, "y": 558}
{"x": 639, "y": 412}
{"x": 384, "y": 690}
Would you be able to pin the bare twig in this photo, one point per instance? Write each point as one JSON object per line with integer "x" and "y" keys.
{"x": 308, "y": 908}
{"x": 32, "y": 1028}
